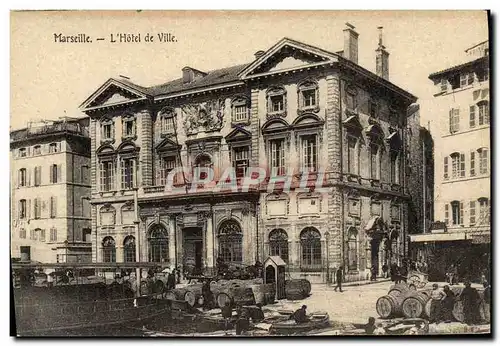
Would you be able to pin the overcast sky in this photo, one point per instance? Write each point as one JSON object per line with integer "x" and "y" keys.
{"x": 50, "y": 79}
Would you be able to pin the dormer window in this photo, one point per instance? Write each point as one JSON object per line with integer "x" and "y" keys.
{"x": 22, "y": 152}
{"x": 239, "y": 110}
{"x": 37, "y": 150}
{"x": 129, "y": 127}
{"x": 276, "y": 101}
{"x": 167, "y": 121}
{"x": 53, "y": 148}
{"x": 466, "y": 79}
{"x": 308, "y": 95}
{"x": 444, "y": 85}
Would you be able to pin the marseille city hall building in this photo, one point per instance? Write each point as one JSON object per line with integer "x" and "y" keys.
{"x": 300, "y": 113}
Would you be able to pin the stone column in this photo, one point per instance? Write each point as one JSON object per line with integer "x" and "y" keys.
{"x": 178, "y": 236}
{"x": 209, "y": 236}
{"x": 171, "y": 239}
{"x": 146, "y": 155}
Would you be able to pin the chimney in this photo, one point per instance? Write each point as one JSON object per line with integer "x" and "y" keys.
{"x": 187, "y": 75}
{"x": 258, "y": 54}
{"x": 382, "y": 59}
{"x": 350, "y": 43}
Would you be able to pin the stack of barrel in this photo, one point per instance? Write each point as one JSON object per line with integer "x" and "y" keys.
{"x": 402, "y": 300}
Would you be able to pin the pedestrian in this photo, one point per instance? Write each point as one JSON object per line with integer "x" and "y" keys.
{"x": 339, "y": 277}
{"x": 370, "y": 326}
{"x": 243, "y": 322}
{"x": 300, "y": 315}
{"x": 394, "y": 269}
{"x": 436, "y": 296}
{"x": 373, "y": 272}
{"x": 470, "y": 300}
{"x": 397, "y": 274}
{"x": 403, "y": 271}
{"x": 50, "y": 280}
{"x": 447, "y": 304}
{"x": 227, "y": 313}
{"x": 207, "y": 295}
{"x": 171, "y": 280}
{"x": 385, "y": 268}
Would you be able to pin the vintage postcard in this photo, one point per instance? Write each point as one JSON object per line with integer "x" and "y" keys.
{"x": 250, "y": 173}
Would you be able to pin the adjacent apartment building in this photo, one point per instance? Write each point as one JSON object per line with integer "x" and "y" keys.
{"x": 294, "y": 115}
{"x": 462, "y": 165}
{"x": 50, "y": 192}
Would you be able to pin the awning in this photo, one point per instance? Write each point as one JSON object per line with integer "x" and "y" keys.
{"x": 418, "y": 238}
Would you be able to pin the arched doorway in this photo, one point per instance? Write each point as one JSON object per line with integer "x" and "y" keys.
{"x": 158, "y": 244}
{"x": 231, "y": 242}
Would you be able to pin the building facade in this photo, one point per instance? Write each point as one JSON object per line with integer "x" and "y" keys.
{"x": 50, "y": 192}
{"x": 314, "y": 145}
{"x": 462, "y": 165}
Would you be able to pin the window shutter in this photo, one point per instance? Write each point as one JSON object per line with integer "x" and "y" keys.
{"x": 28, "y": 177}
{"x": 122, "y": 166}
{"x": 472, "y": 213}
{"x": 101, "y": 176}
{"x": 462, "y": 165}
{"x": 461, "y": 213}
{"x": 446, "y": 213}
{"x": 472, "y": 163}
{"x": 472, "y": 119}
{"x": 39, "y": 175}
{"x": 51, "y": 174}
{"x": 28, "y": 209}
{"x": 451, "y": 121}
{"x": 457, "y": 119}
{"x": 59, "y": 175}
{"x": 446, "y": 167}
{"x": 113, "y": 130}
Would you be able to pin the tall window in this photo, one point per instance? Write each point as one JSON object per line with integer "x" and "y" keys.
{"x": 310, "y": 243}
{"x": 308, "y": 95}
{"x": 239, "y": 110}
{"x": 445, "y": 168}
{"x": 167, "y": 164}
{"x": 483, "y": 161}
{"x": 484, "y": 113}
{"x": 53, "y": 147}
{"x": 472, "y": 164}
{"x": 394, "y": 167}
{"x": 158, "y": 244}
{"x": 241, "y": 160}
{"x": 54, "y": 174}
{"x": 108, "y": 250}
{"x": 37, "y": 150}
{"x": 277, "y": 155}
{"x": 454, "y": 120}
{"x": 129, "y": 249}
{"x": 22, "y": 209}
{"x": 351, "y": 98}
{"x": 375, "y": 161}
{"x": 22, "y": 177}
{"x": 129, "y": 127}
{"x": 276, "y": 100}
{"x": 38, "y": 176}
{"x": 128, "y": 173}
{"x": 23, "y": 152}
{"x": 53, "y": 207}
{"x": 107, "y": 170}
{"x": 309, "y": 153}
{"x": 38, "y": 208}
{"x": 457, "y": 165}
{"x": 472, "y": 116}
{"x": 472, "y": 213}
{"x": 53, "y": 234}
{"x": 278, "y": 244}
{"x": 352, "y": 155}
{"x": 457, "y": 213}
{"x": 231, "y": 242}
{"x": 41, "y": 235}
{"x": 352, "y": 249}
{"x": 484, "y": 211}
{"x": 107, "y": 130}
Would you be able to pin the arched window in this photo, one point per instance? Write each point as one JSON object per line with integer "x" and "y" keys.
{"x": 457, "y": 165}
{"x": 352, "y": 248}
{"x": 276, "y": 100}
{"x": 108, "y": 250}
{"x": 202, "y": 162}
{"x": 239, "y": 110}
{"x": 457, "y": 213}
{"x": 278, "y": 244}
{"x": 310, "y": 242}
{"x": 167, "y": 121}
{"x": 129, "y": 249}
{"x": 231, "y": 242}
{"x": 158, "y": 244}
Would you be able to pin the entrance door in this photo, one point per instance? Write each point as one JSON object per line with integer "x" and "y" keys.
{"x": 193, "y": 250}
{"x": 25, "y": 253}
{"x": 375, "y": 244}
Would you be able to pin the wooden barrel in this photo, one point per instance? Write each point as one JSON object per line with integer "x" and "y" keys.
{"x": 414, "y": 305}
{"x": 389, "y": 305}
{"x": 193, "y": 293}
{"x": 223, "y": 299}
{"x": 398, "y": 289}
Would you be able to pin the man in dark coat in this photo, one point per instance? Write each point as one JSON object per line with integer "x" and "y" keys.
{"x": 339, "y": 277}
{"x": 300, "y": 315}
{"x": 447, "y": 304}
{"x": 470, "y": 300}
{"x": 207, "y": 295}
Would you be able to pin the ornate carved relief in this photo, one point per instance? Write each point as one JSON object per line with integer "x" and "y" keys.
{"x": 204, "y": 117}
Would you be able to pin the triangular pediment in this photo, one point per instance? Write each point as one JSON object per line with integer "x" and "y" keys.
{"x": 167, "y": 144}
{"x": 113, "y": 92}
{"x": 238, "y": 134}
{"x": 287, "y": 54}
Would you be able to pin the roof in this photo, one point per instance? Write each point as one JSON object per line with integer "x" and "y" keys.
{"x": 476, "y": 45}
{"x": 277, "y": 260}
{"x": 458, "y": 67}
{"x": 214, "y": 77}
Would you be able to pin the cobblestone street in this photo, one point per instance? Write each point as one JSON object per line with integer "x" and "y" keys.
{"x": 354, "y": 305}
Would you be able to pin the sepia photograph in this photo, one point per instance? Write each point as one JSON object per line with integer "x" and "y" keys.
{"x": 250, "y": 173}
